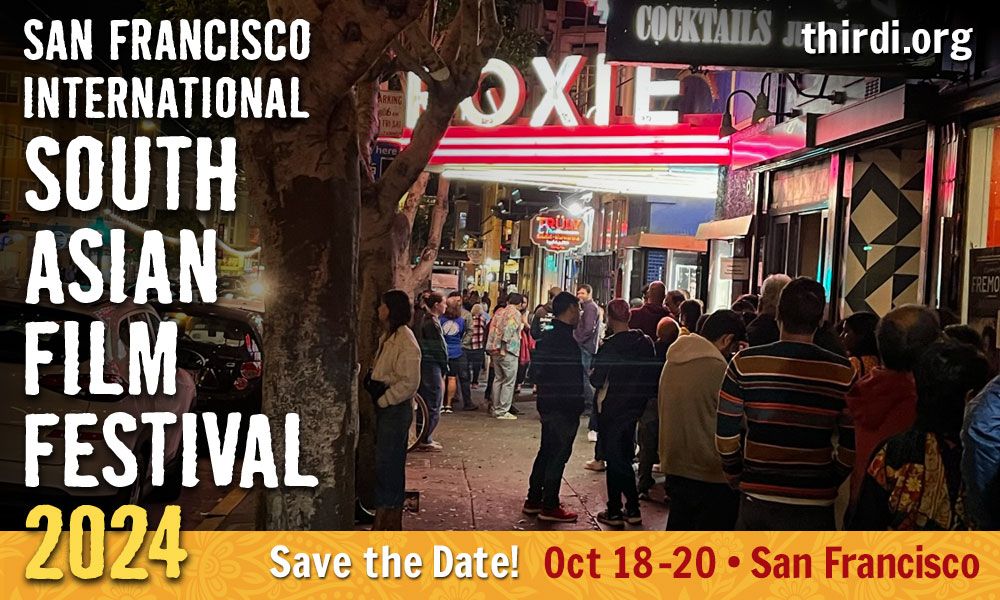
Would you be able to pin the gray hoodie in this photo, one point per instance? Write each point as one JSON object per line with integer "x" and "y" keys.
{"x": 688, "y": 401}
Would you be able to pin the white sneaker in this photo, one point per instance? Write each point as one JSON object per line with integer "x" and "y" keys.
{"x": 507, "y": 417}
{"x": 430, "y": 447}
{"x": 592, "y": 436}
{"x": 595, "y": 465}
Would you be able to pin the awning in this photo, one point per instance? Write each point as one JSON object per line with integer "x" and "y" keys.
{"x": 724, "y": 229}
{"x": 770, "y": 144}
{"x": 664, "y": 242}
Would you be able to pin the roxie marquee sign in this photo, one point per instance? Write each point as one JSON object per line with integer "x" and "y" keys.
{"x": 758, "y": 34}
{"x": 557, "y": 232}
{"x": 553, "y": 104}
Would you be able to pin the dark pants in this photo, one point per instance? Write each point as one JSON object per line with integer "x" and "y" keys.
{"x": 459, "y": 368}
{"x": 617, "y": 439}
{"x": 761, "y": 515}
{"x": 701, "y": 506}
{"x": 432, "y": 392}
{"x": 649, "y": 439}
{"x": 490, "y": 376}
{"x": 558, "y": 433}
{"x": 392, "y": 430}
{"x": 477, "y": 358}
{"x": 589, "y": 402}
{"x": 522, "y": 375}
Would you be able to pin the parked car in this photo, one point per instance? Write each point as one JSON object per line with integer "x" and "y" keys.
{"x": 228, "y": 342}
{"x": 14, "y": 314}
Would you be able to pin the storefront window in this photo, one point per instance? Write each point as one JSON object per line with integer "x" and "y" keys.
{"x": 720, "y": 291}
{"x": 982, "y": 235}
{"x": 684, "y": 272}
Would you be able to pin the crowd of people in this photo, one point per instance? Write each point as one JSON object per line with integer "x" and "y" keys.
{"x": 760, "y": 417}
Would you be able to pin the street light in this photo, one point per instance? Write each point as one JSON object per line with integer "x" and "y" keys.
{"x": 727, "y": 117}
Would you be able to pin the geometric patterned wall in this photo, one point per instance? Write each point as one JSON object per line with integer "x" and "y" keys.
{"x": 883, "y": 256}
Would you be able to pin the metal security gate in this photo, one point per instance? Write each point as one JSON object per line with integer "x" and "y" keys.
{"x": 599, "y": 271}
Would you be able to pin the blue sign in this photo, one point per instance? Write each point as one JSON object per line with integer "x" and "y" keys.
{"x": 6, "y": 240}
{"x": 382, "y": 157}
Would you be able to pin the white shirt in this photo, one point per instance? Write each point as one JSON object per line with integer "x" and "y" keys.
{"x": 397, "y": 364}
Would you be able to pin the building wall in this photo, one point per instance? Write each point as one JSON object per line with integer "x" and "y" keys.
{"x": 885, "y": 217}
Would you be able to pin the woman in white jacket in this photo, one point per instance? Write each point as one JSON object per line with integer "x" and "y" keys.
{"x": 397, "y": 368}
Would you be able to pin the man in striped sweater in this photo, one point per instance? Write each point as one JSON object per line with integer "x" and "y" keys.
{"x": 784, "y": 433}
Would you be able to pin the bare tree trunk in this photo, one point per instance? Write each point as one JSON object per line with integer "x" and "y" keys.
{"x": 304, "y": 177}
{"x": 374, "y": 279}
{"x": 310, "y": 224}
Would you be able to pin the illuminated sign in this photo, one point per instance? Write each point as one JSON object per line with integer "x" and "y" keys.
{"x": 557, "y": 232}
{"x": 770, "y": 35}
{"x": 502, "y": 104}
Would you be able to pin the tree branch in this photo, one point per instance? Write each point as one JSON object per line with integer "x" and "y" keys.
{"x": 422, "y": 270}
{"x": 366, "y": 93}
{"x": 348, "y": 38}
{"x": 414, "y": 40}
{"x": 413, "y": 197}
{"x": 412, "y": 160}
{"x": 491, "y": 32}
{"x": 411, "y": 63}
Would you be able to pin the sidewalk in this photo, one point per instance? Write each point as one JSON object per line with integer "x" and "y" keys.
{"x": 479, "y": 480}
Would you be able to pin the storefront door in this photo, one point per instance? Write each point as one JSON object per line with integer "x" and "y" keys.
{"x": 796, "y": 244}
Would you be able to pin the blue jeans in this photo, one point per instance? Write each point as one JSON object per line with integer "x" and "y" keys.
{"x": 392, "y": 429}
{"x": 433, "y": 394}
{"x": 459, "y": 368}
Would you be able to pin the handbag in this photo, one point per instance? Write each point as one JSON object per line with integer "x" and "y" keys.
{"x": 376, "y": 389}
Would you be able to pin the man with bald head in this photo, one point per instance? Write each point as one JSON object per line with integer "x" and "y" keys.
{"x": 647, "y": 317}
{"x": 667, "y": 332}
{"x": 883, "y": 403}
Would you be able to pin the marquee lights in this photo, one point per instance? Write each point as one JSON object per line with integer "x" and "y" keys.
{"x": 505, "y": 102}
{"x": 694, "y": 182}
{"x": 585, "y": 144}
{"x": 551, "y": 144}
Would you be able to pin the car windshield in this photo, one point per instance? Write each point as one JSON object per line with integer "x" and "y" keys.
{"x": 214, "y": 330}
{"x": 14, "y": 316}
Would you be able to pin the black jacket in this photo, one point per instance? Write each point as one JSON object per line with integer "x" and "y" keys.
{"x": 763, "y": 330}
{"x": 557, "y": 364}
{"x": 627, "y": 364}
{"x": 431, "y": 339}
{"x": 541, "y": 321}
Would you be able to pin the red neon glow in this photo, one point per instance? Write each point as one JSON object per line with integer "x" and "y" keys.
{"x": 585, "y": 144}
{"x": 557, "y": 232}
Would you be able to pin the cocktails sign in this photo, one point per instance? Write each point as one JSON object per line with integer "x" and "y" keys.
{"x": 856, "y": 37}
{"x": 557, "y": 232}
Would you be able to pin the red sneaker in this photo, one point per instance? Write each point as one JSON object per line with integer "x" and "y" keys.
{"x": 558, "y": 515}
{"x": 532, "y": 507}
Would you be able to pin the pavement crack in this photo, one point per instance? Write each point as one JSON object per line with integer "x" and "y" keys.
{"x": 472, "y": 500}
{"x": 590, "y": 515}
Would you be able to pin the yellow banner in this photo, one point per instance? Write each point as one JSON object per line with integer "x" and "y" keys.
{"x": 518, "y": 565}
